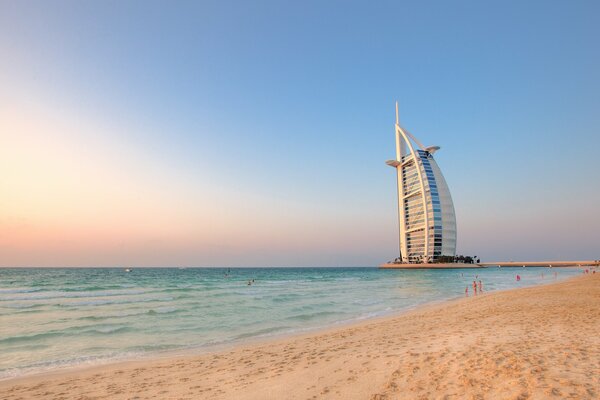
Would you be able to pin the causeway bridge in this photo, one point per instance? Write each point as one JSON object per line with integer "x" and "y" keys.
{"x": 542, "y": 263}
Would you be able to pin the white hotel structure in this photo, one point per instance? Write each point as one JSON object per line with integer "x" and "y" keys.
{"x": 425, "y": 210}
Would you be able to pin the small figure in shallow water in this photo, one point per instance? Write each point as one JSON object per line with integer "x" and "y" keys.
{"x": 480, "y": 286}
{"x": 467, "y": 291}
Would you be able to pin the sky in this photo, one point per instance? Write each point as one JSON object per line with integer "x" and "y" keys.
{"x": 237, "y": 133}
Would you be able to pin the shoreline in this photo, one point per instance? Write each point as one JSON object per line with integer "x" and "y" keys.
{"x": 201, "y": 350}
{"x": 196, "y": 351}
{"x": 228, "y": 357}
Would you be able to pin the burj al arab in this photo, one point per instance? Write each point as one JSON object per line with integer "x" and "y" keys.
{"x": 426, "y": 218}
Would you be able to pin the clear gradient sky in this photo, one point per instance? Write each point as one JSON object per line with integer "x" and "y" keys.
{"x": 254, "y": 133}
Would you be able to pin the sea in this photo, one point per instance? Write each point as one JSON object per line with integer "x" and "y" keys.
{"x": 52, "y": 318}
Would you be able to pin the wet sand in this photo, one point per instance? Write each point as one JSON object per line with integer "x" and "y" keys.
{"x": 540, "y": 342}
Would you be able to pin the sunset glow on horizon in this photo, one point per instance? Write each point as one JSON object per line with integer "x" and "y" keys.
{"x": 212, "y": 135}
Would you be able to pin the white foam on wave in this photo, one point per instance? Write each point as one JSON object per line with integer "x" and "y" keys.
{"x": 81, "y": 361}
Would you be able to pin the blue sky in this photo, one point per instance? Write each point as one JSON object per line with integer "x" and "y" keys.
{"x": 255, "y": 133}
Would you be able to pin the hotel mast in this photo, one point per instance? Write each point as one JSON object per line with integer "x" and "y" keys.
{"x": 426, "y": 218}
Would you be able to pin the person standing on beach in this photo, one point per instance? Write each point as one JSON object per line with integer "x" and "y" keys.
{"x": 480, "y": 286}
{"x": 474, "y": 288}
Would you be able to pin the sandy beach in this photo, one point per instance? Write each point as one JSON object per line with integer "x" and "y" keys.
{"x": 538, "y": 342}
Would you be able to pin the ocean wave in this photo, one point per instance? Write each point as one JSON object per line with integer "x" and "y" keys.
{"x": 21, "y": 306}
{"x": 29, "y": 338}
{"x": 74, "y": 295}
{"x": 108, "y": 329}
{"x": 134, "y": 313}
{"x": 314, "y": 315}
{"x": 25, "y": 347}
{"x": 94, "y": 288}
{"x": 180, "y": 289}
{"x": 4, "y": 291}
{"x": 262, "y": 332}
{"x": 367, "y": 302}
{"x": 120, "y": 301}
{"x": 110, "y": 316}
{"x": 71, "y": 331}
{"x": 24, "y": 311}
{"x": 164, "y": 310}
{"x": 286, "y": 298}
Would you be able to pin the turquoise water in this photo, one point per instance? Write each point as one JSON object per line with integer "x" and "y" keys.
{"x": 50, "y": 318}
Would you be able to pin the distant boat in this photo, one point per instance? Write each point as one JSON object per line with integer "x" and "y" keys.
{"x": 128, "y": 269}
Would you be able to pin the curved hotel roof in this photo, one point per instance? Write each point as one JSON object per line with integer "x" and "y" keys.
{"x": 425, "y": 210}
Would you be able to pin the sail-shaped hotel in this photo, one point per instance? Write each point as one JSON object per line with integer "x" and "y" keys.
{"x": 426, "y": 216}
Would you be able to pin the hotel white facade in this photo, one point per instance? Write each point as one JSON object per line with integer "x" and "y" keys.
{"x": 426, "y": 218}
